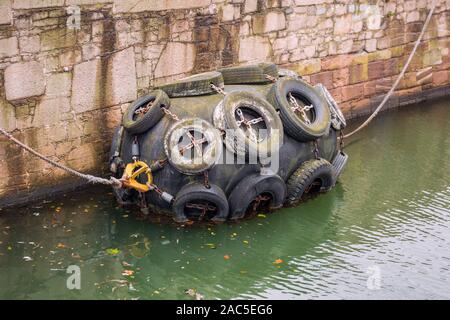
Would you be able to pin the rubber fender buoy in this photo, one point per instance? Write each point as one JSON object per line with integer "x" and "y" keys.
{"x": 256, "y": 73}
{"x": 318, "y": 118}
{"x": 251, "y": 124}
{"x": 196, "y": 85}
{"x": 195, "y": 201}
{"x": 314, "y": 175}
{"x": 145, "y": 112}
{"x": 192, "y": 145}
{"x": 249, "y": 188}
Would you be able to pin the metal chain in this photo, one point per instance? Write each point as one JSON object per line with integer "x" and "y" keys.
{"x": 170, "y": 113}
{"x": 143, "y": 110}
{"x": 316, "y": 149}
{"x": 302, "y": 110}
{"x": 206, "y": 179}
{"x": 217, "y": 89}
{"x": 270, "y": 78}
{"x": 341, "y": 140}
{"x": 258, "y": 200}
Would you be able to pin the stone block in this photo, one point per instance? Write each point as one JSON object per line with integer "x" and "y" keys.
{"x": 121, "y": 78}
{"x": 5, "y": 12}
{"x": 34, "y": 4}
{"x": 57, "y": 39}
{"x": 250, "y": 6}
{"x": 269, "y": 22}
{"x": 8, "y": 47}
{"x": 176, "y": 58}
{"x": 29, "y": 44}
{"x": 121, "y": 6}
{"x": 86, "y": 86}
{"x": 255, "y": 48}
{"x": 24, "y": 80}
{"x": 59, "y": 85}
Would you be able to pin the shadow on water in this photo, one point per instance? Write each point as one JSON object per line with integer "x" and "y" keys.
{"x": 390, "y": 211}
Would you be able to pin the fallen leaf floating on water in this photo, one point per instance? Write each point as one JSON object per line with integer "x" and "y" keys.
{"x": 127, "y": 273}
{"x": 261, "y": 215}
{"x": 226, "y": 257}
{"x": 27, "y": 258}
{"x": 193, "y": 293}
{"x": 278, "y": 261}
{"x": 61, "y": 246}
{"x": 112, "y": 251}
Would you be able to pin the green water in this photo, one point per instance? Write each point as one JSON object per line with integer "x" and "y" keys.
{"x": 382, "y": 232}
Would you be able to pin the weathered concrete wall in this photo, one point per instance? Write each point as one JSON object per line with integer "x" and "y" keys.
{"x": 62, "y": 90}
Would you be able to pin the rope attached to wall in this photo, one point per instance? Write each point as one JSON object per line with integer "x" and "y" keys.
{"x": 90, "y": 178}
{"x": 400, "y": 76}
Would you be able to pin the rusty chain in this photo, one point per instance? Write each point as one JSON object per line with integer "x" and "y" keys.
{"x": 170, "y": 114}
{"x": 297, "y": 107}
{"x": 143, "y": 110}
{"x": 270, "y": 78}
{"x": 217, "y": 89}
{"x": 316, "y": 149}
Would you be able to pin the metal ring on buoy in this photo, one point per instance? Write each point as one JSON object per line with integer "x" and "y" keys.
{"x": 132, "y": 171}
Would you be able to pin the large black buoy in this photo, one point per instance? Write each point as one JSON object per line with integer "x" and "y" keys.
{"x": 221, "y": 145}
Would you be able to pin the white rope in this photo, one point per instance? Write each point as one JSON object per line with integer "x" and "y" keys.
{"x": 90, "y": 178}
{"x": 400, "y": 76}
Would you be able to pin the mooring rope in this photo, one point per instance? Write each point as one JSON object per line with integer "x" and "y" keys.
{"x": 400, "y": 76}
{"x": 90, "y": 178}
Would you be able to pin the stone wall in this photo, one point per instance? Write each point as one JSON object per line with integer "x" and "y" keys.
{"x": 66, "y": 78}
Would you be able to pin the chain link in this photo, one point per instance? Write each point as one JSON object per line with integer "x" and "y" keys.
{"x": 302, "y": 109}
{"x": 170, "y": 114}
{"x": 341, "y": 140}
{"x": 217, "y": 89}
{"x": 206, "y": 179}
{"x": 270, "y": 78}
{"x": 316, "y": 149}
{"x": 143, "y": 110}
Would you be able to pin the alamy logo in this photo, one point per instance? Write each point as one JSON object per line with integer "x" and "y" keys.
{"x": 74, "y": 19}
{"x": 74, "y": 280}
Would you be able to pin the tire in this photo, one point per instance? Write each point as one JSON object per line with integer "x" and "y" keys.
{"x": 177, "y": 137}
{"x": 301, "y": 181}
{"x": 282, "y": 73}
{"x": 252, "y": 186}
{"x": 135, "y": 125}
{"x": 115, "y": 162}
{"x": 294, "y": 125}
{"x": 249, "y": 74}
{"x": 196, "y": 85}
{"x": 338, "y": 121}
{"x": 197, "y": 193}
{"x": 237, "y": 138}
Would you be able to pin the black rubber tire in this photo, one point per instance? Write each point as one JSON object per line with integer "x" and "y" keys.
{"x": 210, "y": 153}
{"x": 252, "y": 186}
{"x": 256, "y": 73}
{"x": 115, "y": 162}
{"x": 338, "y": 121}
{"x": 194, "y": 192}
{"x": 293, "y": 125}
{"x": 308, "y": 172}
{"x": 282, "y": 73}
{"x": 149, "y": 119}
{"x": 196, "y": 85}
{"x": 224, "y": 118}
